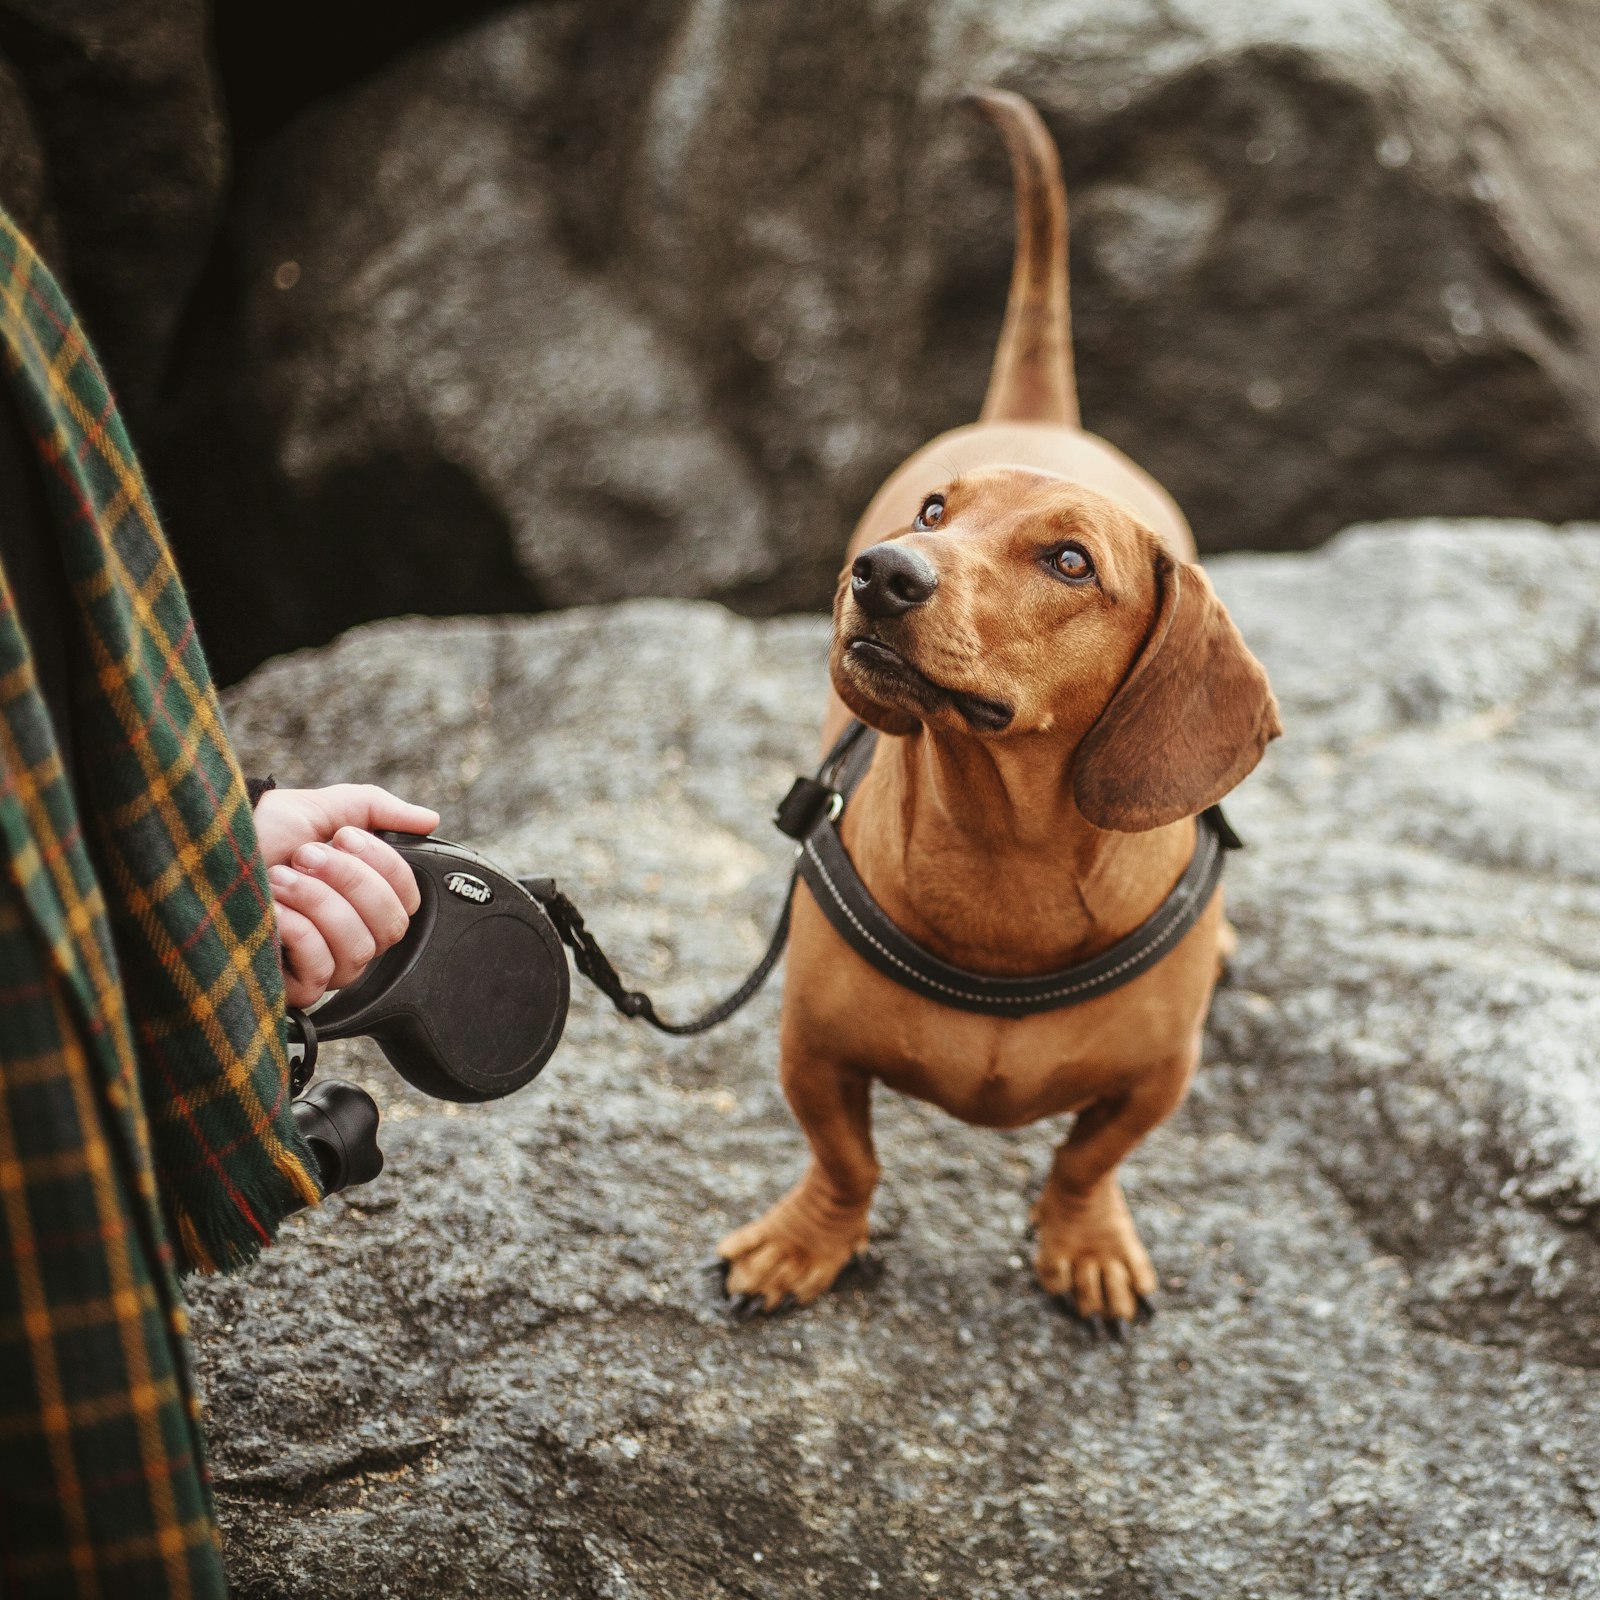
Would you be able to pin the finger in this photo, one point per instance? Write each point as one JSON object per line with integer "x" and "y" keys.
{"x": 385, "y": 860}
{"x": 369, "y": 894}
{"x": 1118, "y": 1291}
{"x": 307, "y": 961}
{"x": 780, "y": 1282}
{"x": 365, "y": 805}
{"x": 749, "y": 1273}
{"x": 1054, "y": 1273}
{"x": 348, "y": 938}
{"x": 1086, "y": 1287}
{"x": 1145, "y": 1282}
{"x": 812, "y": 1283}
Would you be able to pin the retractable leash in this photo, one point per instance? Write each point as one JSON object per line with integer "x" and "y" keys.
{"x": 473, "y": 1000}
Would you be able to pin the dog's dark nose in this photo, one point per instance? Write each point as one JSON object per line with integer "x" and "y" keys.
{"x": 889, "y": 579}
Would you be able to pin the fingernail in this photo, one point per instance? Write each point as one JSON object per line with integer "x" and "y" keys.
{"x": 310, "y": 856}
{"x": 280, "y": 877}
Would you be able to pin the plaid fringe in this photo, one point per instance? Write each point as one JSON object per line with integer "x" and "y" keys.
{"x": 143, "y": 1078}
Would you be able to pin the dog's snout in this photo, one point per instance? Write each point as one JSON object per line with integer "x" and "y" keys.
{"x": 889, "y": 579}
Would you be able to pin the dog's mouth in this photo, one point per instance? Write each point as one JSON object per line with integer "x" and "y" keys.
{"x": 882, "y": 664}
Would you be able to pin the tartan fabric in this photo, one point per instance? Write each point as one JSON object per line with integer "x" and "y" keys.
{"x": 143, "y": 1081}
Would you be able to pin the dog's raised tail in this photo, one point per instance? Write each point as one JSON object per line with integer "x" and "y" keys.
{"x": 1032, "y": 380}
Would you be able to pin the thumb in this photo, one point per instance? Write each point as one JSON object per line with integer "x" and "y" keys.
{"x": 365, "y": 805}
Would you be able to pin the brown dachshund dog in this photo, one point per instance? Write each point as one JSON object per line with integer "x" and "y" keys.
{"x": 1063, "y": 693}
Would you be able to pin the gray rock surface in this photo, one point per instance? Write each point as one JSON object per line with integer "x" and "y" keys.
{"x": 607, "y": 300}
{"x": 499, "y": 1370}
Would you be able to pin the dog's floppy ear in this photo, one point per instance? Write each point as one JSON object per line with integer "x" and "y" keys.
{"x": 1189, "y": 721}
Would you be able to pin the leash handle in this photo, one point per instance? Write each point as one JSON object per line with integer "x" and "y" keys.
{"x": 596, "y": 966}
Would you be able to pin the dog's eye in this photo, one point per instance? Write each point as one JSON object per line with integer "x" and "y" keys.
{"x": 1072, "y": 562}
{"x": 932, "y": 512}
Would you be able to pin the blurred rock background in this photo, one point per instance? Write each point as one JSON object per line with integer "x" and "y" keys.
{"x": 496, "y": 308}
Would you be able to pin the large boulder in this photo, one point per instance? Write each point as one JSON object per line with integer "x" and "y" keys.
{"x": 112, "y": 154}
{"x": 22, "y": 171}
{"x": 621, "y": 299}
{"x": 426, "y": 400}
{"x": 1376, "y": 1369}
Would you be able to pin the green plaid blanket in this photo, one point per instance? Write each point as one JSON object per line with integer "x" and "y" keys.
{"x": 143, "y": 1083}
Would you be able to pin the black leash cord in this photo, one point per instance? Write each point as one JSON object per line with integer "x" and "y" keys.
{"x": 806, "y": 800}
{"x": 593, "y": 963}
{"x": 808, "y": 813}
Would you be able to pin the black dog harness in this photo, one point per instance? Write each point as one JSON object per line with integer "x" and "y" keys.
{"x": 810, "y": 813}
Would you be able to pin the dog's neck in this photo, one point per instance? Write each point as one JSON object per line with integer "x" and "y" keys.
{"x": 977, "y": 849}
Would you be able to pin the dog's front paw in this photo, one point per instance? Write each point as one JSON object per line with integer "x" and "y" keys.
{"x": 789, "y": 1257}
{"x": 1091, "y": 1259}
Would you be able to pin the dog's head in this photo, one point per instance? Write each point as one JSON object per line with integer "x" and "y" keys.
{"x": 1019, "y": 605}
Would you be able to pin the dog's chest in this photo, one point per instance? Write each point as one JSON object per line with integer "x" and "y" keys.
{"x": 987, "y": 1070}
{"x": 994, "y": 1071}
{"x": 998, "y": 911}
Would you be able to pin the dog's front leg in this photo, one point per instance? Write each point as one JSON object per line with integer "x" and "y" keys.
{"x": 802, "y": 1244}
{"x": 1088, "y": 1246}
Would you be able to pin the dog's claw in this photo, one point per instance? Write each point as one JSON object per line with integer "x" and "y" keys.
{"x": 1068, "y": 1307}
{"x": 1147, "y": 1307}
{"x": 1100, "y": 1326}
{"x": 863, "y": 1270}
{"x": 717, "y": 1264}
{"x": 744, "y": 1306}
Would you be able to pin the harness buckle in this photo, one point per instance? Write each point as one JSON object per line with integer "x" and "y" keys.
{"x": 805, "y": 805}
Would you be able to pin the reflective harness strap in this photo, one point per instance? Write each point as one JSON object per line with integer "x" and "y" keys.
{"x": 827, "y": 870}
{"x": 810, "y": 813}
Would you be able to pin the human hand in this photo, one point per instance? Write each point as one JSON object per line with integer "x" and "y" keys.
{"x": 342, "y": 896}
